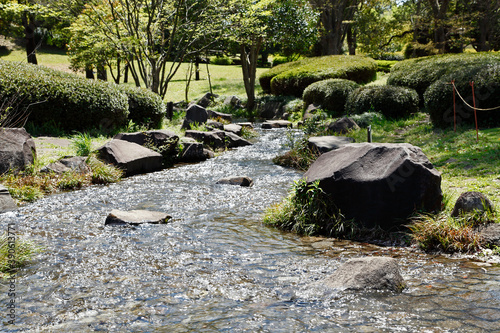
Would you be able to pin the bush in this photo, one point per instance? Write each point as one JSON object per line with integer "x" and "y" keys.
{"x": 279, "y": 60}
{"x": 392, "y": 102}
{"x": 292, "y": 78}
{"x": 366, "y": 119}
{"x": 385, "y": 65}
{"x": 224, "y": 60}
{"x": 417, "y": 50}
{"x": 145, "y": 107}
{"x": 330, "y": 94}
{"x": 439, "y": 97}
{"x": 74, "y": 102}
{"x": 420, "y": 73}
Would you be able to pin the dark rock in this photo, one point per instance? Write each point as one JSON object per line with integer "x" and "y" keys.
{"x": 310, "y": 111}
{"x": 136, "y": 217}
{"x": 271, "y": 109}
{"x": 324, "y": 144}
{"x": 472, "y": 201}
{"x": 155, "y": 138}
{"x": 378, "y": 184}
{"x": 220, "y": 115}
{"x": 208, "y": 153}
{"x": 195, "y": 114}
{"x": 241, "y": 181}
{"x": 212, "y": 124}
{"x": 192, "y": 151}
{"x": 6, "y": 201}
{"x": 211, "y": 139}
{"x": 75, "y": 163}
{"x": 490, "y": 234}
{"x": 206, "y": 100}
{"x": 17, "y": 149}
{"x": 130, "y": 157}
{"x": 276, "y": 124}
{"x": 233, "y": 101}
{"x": 370, "y": 273}
{"x": 342, "y": 126}
{"x": 233, "y": 128}
{"x": 233, "y": 141}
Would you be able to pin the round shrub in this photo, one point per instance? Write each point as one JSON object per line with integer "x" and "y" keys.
{"x": 72, "y": 102}
{"x": 330, "y": 94}
{"x": 292, "y": 78}
{"x": 417, "y": 50}
{"x": 278, "y": 60}
{"x": 145, "y": 107}
{"x": 439, "y": 97}
{"x": 420, "y": 73}
{"x": 392, "y": 102}
{"x": 224, "y": 61}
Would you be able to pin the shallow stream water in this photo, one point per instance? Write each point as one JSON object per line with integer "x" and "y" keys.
{"x": 216, "y": 268}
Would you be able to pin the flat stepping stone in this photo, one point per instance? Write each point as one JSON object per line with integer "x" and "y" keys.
{"x": 75, "y": 163}
{"x": 269, "y": 124}
{"x": 241, "y": 181}
{"x": 136, "y": 217}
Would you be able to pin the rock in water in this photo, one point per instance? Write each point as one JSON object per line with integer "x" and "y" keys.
{"x": 376, "y": 273}
{"x": 17, "y": 149}
{"x": 6, "y": 201}
{"x": 136, "y": 217}
{"x": 241, "y": 181}
{"x": 378, "y": 184}
{"x": 131, "y": 157}
{"x": 469, "y": 202}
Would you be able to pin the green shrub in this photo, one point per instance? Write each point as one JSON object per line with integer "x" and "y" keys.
{"x": 330, "y": 94}
{"x": 221, "y": 60}
{"x": 82, "y": 143}
{"x": 392, "y": 102}
{"x": 366, "y": 119}
{"x": 385, "y": 65}
{"x": 279, "y": 60}
{"x": 73, "y": 102}
{"x": 145, "y": 107}
{"x": 292, "y": 78}
{"x": 417, "y": 50}
{"x": 439, "y": 97}
{"x": 11, "y": 261}
{"x": 420, "y": 73}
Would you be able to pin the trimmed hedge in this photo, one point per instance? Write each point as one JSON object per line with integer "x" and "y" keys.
{"x": 392, "y": 102}
{"x": 330, "y": 94}
{"x": 72, "y": 102}
{"x": 292, "y": 78}
{"x": 420, "y": 73}
{"x": 145, "y": 107}
{"x": 439, "y": 97}
{"x": 417, "y": 50}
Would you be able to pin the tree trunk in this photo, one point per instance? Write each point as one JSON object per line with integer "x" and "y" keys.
{"x": 89, "y": 73}
{"x": 351, "y": 40}
{"x": 249, "y": 67}
{"x": 102, "y": 74}
{"x": 439, "y": 10}
{"x": 29, "y": 25}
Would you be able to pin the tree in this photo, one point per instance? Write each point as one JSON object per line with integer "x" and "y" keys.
{"x": 336, "y": 18}
{"x": 154, "y": 37}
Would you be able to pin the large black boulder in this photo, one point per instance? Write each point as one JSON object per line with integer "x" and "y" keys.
{"x": 378, "y": 184}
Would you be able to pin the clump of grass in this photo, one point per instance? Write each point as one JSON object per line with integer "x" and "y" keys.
{"x": 103, "y": 173}
{"x": 82, "y": 144}
{"x": 442, "y": 232}
{"x": 11, "y": 261}
{"x": 248, "y": 133}
{"x": 308, "y": 210}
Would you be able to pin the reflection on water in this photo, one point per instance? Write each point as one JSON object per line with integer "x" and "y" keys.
{"x": 215, "y": 267}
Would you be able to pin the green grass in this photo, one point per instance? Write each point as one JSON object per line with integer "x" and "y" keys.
{"x": 11, "y": 261}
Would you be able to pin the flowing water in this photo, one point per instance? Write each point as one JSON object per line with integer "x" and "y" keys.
{"x": 216, "y": 268}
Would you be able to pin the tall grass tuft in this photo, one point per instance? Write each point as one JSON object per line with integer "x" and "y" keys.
{"x": 82, "y": 143}
{"x": 24, "y": 252}
{"x": 103, "y": 173}
{"x": 308, "y": 210}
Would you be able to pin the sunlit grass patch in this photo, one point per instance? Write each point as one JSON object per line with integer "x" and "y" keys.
{"x": 15, "y": 254}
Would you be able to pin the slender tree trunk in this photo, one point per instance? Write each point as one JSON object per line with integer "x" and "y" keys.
{"x": 249, "y": 67}
{"x": 89, "y": 73}
{"x": 29, "y": 25}
{"x": 102, "y": 74}
{"x": 351, "y": 40}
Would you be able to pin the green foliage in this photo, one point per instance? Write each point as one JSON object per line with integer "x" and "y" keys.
{"x": 103, "y": 173}
{"x": 299, "y": 157}
{"x": 73, "y": 102}
{"x": 308, "y": 210}
{"x": 221, "y": 60}
{"x": 443, "y": 233}
{"x": 13, "y": 258}
{"x": 439, "y": 97}
{"x": 82, "y": 143}
{"x": 385, "y": 65}
{"x": 330, "y": 94}
{"x": 366, "y": 119}
{"x": 279, "y": 60}
{"x": 417, "y": 50}
{"x": 145, "y": 107}
{"x": 292, "y": 78}
{"x": 392, "y": 102}
{"x": 420, "y": 73}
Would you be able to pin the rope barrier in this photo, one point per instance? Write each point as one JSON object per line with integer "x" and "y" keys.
{"x": 470, "y": 106}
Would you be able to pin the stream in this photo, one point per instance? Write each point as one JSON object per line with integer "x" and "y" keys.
{"x": 216, "y": 268}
